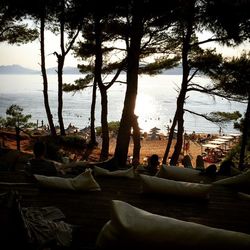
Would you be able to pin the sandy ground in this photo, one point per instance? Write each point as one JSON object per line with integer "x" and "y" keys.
{"x": 148, "y": 147}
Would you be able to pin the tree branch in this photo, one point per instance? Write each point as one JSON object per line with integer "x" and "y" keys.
{"x": 201, "y": 115}
{"x": 73, "y": 40}
{"x": 210, "y": 40}
{"x": 117, "y": 73}
{"x": 214, "y": 91}
{"x": 193, "y": 75}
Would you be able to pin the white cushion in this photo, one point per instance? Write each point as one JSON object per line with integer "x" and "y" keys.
{"x": 83, "y": 182}
{"x": 133, "y": 227}
{"x": 178, "y": 173}
{"x": 152, "y": 184}
{"x": 129, "y": 173}
{"x": 240, "y": 179}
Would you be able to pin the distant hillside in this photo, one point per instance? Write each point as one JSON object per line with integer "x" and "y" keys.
{"x": 66, "y": 70}
{"x": 174, "y": 71}
{"x": 18, "y": 69}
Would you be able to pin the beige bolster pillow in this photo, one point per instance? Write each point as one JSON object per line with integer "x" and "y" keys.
{"x": 136, "y": 228}
{"x": 129, "y": 173}
{"x": 152, "y": 184}
{"x": 83, "y": 182}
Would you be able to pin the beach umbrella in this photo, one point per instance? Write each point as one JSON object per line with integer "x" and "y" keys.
{"x": 71, "y": 129}
{"x": 154, "y": 130}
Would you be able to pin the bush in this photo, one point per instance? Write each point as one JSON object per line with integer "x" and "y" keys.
{"x": 69, "y": 142}
{"x": 73, "y": 142}
{"x": 113, "y": 127}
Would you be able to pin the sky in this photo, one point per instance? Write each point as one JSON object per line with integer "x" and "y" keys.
{"x": 28, "y": 55}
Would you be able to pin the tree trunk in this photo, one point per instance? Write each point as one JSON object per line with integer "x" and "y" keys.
{"x": 105, "y": 130}
{"x": 123, "y": 138}
{"x": 180, "y": 107}
{"x": 244, "y": 138}
{"x": 137, "y": 142}
{"x": 61, "y": 59}
{"x": 18, "y": 139}
{"x": 170, "y": 139}
{"x": 182, "y": 96}
{"x": 103, "y": 90}
{"x": 60, "y": 93}
{"x": 93, "y": 141}
{"x": 179, "y": 141}
{"x": 45, "y": 80}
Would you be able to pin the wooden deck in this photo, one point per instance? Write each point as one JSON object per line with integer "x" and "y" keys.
{"x": 89, "y": 211}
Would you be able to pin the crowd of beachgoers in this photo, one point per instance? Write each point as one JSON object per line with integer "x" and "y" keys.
{"x": 212, "y": 147}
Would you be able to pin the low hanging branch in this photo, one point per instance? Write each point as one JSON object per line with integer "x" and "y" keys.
{"x": 218, "y": 117}
{"x": 205, "y": 116}
{"x": 215, "y": 92}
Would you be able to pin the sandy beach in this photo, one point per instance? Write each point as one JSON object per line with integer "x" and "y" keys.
{"x": 148, "y": 147}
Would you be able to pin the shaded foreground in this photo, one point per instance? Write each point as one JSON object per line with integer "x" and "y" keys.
{"x": 89, "y": 211}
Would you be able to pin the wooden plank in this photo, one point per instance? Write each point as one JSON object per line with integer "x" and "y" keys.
{"x": 89, "y": 211}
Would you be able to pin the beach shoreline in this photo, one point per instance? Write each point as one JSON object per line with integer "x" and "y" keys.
{"x": 148, "y": 147}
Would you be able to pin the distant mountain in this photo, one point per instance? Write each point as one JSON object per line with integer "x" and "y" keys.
{"x": 173, "y": 71}
{"x": 66, "y": 70}
{"x": 18, "y": 69}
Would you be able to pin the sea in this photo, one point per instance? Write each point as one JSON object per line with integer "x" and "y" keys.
{"x": 155, "y": 106}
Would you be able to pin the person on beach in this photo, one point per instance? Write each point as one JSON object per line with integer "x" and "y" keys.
{"x": 211, "y": 170}
{"x": 200, "y": 165}
{"x": 153, "y": 163}
{"x": 39, "y": 164}
{"x": 228, "y": 168}
{"x": 187, "y": 146}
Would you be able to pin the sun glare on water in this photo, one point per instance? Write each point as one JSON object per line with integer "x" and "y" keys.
{"x": 146, "y": 111}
